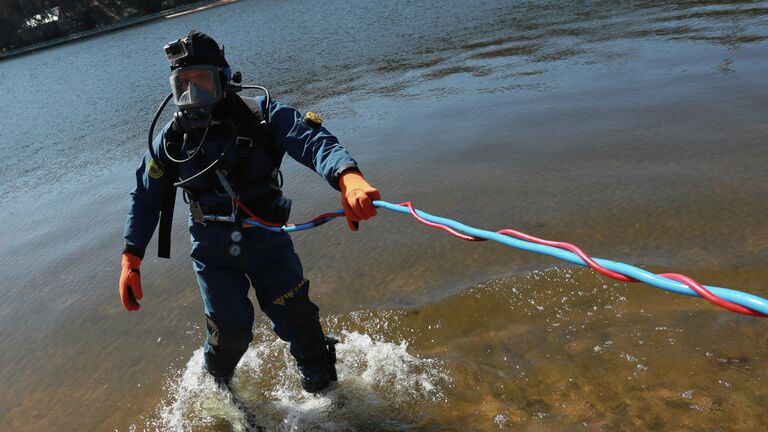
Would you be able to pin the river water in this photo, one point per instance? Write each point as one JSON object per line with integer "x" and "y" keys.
{"x": 634, "y": 129}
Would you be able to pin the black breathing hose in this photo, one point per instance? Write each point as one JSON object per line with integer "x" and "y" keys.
{"x": 233, "y": 87}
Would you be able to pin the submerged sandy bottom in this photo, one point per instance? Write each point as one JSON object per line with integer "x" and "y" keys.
{"x": 550, "y": 350}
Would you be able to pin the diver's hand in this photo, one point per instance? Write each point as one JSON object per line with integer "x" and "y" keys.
{"x": 130, "y": 282}
{"x": 357, "y": 198}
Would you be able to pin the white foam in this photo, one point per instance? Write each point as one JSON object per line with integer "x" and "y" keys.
{"x": 380, "y": 383}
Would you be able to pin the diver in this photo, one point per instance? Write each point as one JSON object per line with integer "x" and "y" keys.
{"x": 224, "y": 152}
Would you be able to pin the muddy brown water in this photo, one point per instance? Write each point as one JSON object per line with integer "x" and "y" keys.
{"x": 634, "y": 129}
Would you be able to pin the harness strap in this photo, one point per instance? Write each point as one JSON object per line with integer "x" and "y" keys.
{"x": 250, "y": 125}
{"x": 247, "y": 111}
{"x": 166, "y": 223}
{"x": 166, "y": 212}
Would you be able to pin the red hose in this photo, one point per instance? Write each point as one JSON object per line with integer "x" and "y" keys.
{"x": 707, "y": 294}
{"x": 692, "y": 284}
{"x": 452, "y": 231}
{"x": 572, "y": 248}
{"x": 275, "y": 225}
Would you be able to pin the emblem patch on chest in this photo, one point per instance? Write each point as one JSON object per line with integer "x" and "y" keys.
{"x": 154, "y": 169}
{"x": 313, "y": 120}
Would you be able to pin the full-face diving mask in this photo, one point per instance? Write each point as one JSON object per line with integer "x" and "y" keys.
{"x": 199, "y": 74}
{"x": 200, "y": 77}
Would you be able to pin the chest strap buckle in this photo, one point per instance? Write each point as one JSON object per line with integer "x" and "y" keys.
{"x": 244, "y": 142}
{"x": 197, "y": 212}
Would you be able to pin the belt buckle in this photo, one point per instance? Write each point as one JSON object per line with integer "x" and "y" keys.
{"x": 244, "y": 141}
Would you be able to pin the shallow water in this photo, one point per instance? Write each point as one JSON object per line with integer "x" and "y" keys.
{"x": 634, "y": 129}
{"x": 549, "y": 350}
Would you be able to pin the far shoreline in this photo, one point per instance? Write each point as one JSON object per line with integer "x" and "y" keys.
{"x": 117, "y": 25}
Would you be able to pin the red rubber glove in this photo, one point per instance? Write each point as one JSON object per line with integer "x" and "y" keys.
{"x": 357, "y": 198}
{"x": 130, "y": 282}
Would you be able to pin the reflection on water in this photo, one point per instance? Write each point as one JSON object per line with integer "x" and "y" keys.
{"x": 635, "y": 129}
{"x": 395, "y": 53}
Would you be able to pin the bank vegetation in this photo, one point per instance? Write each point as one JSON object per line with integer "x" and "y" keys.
{"x": 29, "y": 22}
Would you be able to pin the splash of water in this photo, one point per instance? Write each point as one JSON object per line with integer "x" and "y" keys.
{"x": 380, "y": 386}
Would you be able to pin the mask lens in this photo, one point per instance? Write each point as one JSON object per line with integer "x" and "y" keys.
{"x": 202, "y": 79}
{"x": 196, "y": 86}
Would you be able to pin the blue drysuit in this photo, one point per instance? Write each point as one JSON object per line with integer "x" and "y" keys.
{"x": 268, "y": 261}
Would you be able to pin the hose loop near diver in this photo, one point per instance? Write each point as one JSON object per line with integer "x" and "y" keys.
{"x": 164, "y": 103}
{"x": 152, "y": 125}
{"x": 733, "y": 300}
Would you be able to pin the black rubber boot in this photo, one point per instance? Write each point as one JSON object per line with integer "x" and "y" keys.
{"x": 311, "y": 385}
{"x": 223, "y": 383}
{"x": 316, "y": 382}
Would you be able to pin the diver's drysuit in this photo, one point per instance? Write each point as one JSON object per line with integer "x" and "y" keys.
{"x": 266, "y": 260}
{"x": 225, "y": 152}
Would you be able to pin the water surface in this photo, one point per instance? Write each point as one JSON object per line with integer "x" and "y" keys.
{"x": 634, "y": 129}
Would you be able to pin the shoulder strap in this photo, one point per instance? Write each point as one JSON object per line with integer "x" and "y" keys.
{"x": 253, "y": 105}
{"x": 261, "y": 130}
{"x": 252, "y": 129}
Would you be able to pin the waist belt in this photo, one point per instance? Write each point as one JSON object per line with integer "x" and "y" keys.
{"x": 202, "y": 214}
{"x": 276, "y": 212}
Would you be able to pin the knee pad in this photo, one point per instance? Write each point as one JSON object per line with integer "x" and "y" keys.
{"x": 234, "y": 339}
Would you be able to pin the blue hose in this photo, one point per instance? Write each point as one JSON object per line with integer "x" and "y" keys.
{"x": 750, "y": 301}
{"x": 294, "y": 228}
